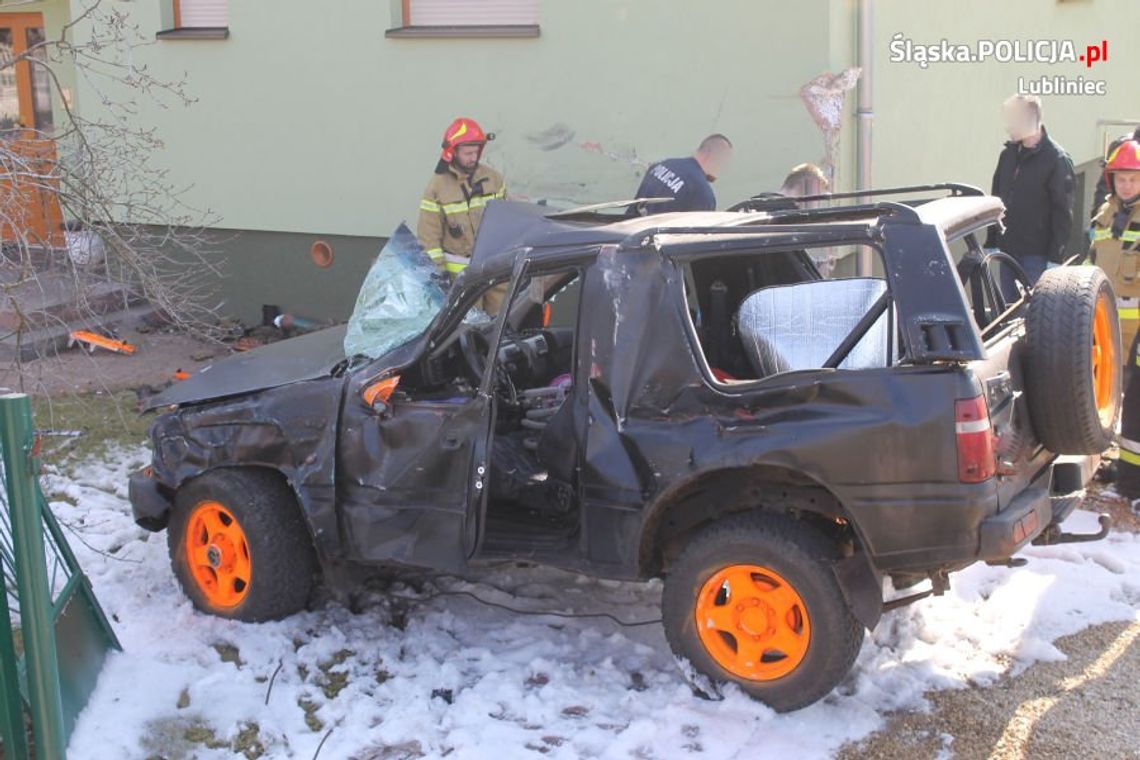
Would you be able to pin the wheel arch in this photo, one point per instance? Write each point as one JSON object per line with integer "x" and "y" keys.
{"x": 231, "y": 526}
{"x": 708, "y": 496}
{"x": 304, "y": 506}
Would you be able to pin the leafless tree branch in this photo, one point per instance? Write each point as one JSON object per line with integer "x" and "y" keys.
{"x": 127, "y": 219}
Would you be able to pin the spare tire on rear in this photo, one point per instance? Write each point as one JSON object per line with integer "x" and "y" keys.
{"x": 1073, "y": 362}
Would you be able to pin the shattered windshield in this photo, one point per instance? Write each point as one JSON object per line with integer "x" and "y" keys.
{"x": 400, "y": 297}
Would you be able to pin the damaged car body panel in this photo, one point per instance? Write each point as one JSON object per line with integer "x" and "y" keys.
{"x": 657, "y": 428}
{"x": 290, "y": 429}
{"x": 306, "y": 357}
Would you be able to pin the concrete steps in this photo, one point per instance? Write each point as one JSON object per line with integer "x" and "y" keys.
{"x": 54, "y": 303}
{"x": 49, "y": 341}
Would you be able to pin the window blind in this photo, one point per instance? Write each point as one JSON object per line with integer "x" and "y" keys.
{"x": 472, "y": 12}
{"x": 199, "y": 13}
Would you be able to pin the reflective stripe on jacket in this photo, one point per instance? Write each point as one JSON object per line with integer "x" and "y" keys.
{"x": 451, "y": 211}
{"x": 1118, "y": 257}
{"x": 1120, "y": 260}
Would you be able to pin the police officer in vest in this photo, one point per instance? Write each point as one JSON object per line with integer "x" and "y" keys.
{"x": 1115, "y": 236}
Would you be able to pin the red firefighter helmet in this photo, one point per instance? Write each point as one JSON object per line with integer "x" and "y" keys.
{"x": 1126, "y": 158}
{"x": 462, "y": 131}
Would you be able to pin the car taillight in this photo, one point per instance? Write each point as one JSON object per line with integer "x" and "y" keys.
{"x": 976, "y": 459}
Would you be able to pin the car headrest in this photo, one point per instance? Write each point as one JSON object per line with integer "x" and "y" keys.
{"x": 791, "y": 327}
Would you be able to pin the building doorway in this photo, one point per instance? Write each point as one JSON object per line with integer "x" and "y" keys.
{"x": 30, "y": 213}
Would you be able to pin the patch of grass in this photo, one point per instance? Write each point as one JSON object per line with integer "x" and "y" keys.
{"x": 184, "y": 699}
{"x": 338, "y": 658}
{"x": 310, "y": 708}
{"x": 248, "y": 742}
{"x": 229, "y": 653}
{"x": 199, "y": 733}
{"x": 177, "y": 738}
{"x": 333, "y": 682}
{"x": 103, "y": 420}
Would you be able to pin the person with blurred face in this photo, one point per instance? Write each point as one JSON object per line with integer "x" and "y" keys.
{"x": 686, "y": 182}
{"x": 452, "y": 205}
{"x": 1034, "y": 179}
{"x": 805, "y": 180}
{"x": 1115, "y": 234}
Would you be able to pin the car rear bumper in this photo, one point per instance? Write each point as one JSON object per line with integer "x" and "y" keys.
{"x": 1048, "y": 500}
{"x": 1003, "y": 534}
{"x": 150, "y": 504}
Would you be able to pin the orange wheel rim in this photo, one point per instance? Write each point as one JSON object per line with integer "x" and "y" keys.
{"x": 753, "y": 622}
{"x": 1104, "y": 363}
{"x": 218, "y": 555}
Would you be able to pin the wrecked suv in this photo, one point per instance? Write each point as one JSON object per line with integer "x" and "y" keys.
{"x": 680, "y": 396}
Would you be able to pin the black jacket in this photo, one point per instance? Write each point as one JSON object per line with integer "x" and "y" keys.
{"x": 1036, "y": 186}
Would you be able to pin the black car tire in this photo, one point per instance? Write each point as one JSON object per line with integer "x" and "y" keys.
{"x": 796, "y": 554}
{"x": 1074, "y": 401}
{"x": 266, "y": 565}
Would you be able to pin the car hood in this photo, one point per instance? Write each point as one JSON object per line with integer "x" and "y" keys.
{"x": 306, "y": 357}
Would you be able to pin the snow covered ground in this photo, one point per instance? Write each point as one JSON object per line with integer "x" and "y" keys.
{"x": 448, "y": 676}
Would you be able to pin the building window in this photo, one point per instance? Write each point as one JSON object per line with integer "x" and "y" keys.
{"x": 201, "y": 14}
{"x": 198, "y": 19}
{"x": 467, "y": 18}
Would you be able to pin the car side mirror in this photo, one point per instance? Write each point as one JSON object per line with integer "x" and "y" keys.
{"x": 376, "y": 394}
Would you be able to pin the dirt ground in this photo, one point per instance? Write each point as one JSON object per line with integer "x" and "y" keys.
{"x": 157, "y": 356}
{"x": 1087, "y": 705}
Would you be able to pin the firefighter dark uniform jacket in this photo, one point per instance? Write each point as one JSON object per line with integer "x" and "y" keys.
{"x": 1115, "y": 236}
{"x": 450, "y": 213}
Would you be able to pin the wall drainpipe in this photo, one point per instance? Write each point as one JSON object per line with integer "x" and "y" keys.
{"x": 865, "y": 115}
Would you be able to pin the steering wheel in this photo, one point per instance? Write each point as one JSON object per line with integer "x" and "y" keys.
{"x": 475, "y": 346}
{"x": 975, "y": 273}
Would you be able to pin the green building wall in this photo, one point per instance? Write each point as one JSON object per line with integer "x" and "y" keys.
{"x": 944, "y": 121}
{"x": 311, "y": 124}
{"x": 309, "y": 121}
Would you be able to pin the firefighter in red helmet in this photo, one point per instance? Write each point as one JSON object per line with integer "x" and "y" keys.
{"x": 453, "y": 203}
{"x": 1115, "y": 248}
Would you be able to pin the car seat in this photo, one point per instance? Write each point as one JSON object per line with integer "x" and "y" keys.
{"x": 792, "y": 327}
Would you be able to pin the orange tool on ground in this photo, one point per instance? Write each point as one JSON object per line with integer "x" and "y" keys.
{"x": 93, "y": 340}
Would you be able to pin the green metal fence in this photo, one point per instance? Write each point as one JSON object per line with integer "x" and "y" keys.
{"x": 56, "y": 637}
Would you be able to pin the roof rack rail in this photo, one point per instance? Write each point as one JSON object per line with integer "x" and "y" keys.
{"x": 891, "y": 209}
{"x": 641, "y": 238}
{"x": 761, "y": 203}
{"x": 594, "y": 207}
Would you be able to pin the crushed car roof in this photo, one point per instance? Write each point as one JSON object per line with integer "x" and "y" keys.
{"x": 509, "y": 226}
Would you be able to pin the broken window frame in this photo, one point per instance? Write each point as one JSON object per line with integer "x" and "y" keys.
{"x": 993, "y": 327}
{"x": 886, "y": 303}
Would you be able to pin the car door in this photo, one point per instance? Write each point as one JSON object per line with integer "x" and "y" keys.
{"x": 412, "y": 472}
